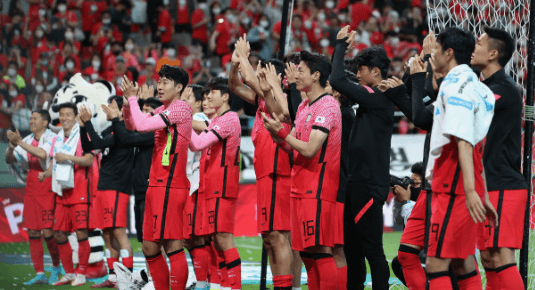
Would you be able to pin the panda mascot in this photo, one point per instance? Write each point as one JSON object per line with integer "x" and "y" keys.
{"x": 79, "y": 91}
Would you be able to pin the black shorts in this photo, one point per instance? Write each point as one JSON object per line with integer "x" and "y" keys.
{"x": 139, "y": 211}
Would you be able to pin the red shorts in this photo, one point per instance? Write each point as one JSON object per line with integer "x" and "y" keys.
{"x": 312, "y": 223}
{"x": 39, "y": 211}
{"x": 219, "y": 215}
{"x": 95, "y": 211}
{"x": 273, "y": 199}
{"x": 113, "y": 206}
{"x": 453, "y": 233}
{"x": 511, "y": 207}
{"x": 164, "y": 211}
{"x": 339, "y": 235}
{"x": 414, "y": 232}
{"x": 72, "y": 217}
{"x": 193, "y": 213}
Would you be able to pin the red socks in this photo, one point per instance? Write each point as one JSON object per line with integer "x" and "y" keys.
{"x": 65, "y": 254}
{"x": 84, "y": 250}
{"x": 128, "y": 262}
{"x": 283, "y": 282}
{"x": 36, "y": 253}
{"x": 179, "y": 269}
{"x": 213, "y": 265}
{"x": 52, "y": 246}
{"x": 470, "y": 281}
{"x": 201, "y": 258}
{"x": 233, "y": 264}
{"x": 510, "y": 277}
{"x": 493, "y": 280}
{"x": 312, "y": 270}
{"x": 327, "y": 271}
{"x": 412, "y": 268}
{"x": 342, "y": 278}
{"x": 225, "y": 282}
{"x": 439, "y": 280}
{"x": 110, "y": 262}
{"x": 159, "y": 271}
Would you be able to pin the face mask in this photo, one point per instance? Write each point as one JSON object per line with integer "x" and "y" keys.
{"x": 329, "y": 4}
{"x": 394, "y": 41}
{"x": 324, "y": 42}
{"x": 95, "y": 64}
{"x": 94, "y": 8}
{"x": 342, "y": 17}
{"x": 69, "y": 65}
{"x": 39, "y": 88}
{"x": 171, "y": 52}
{"x": 321, "y": 17}
{"x": 231, "y": 18}
{"x": 69, "y": 35}
{"x": 12, "y": 94}
{"x": 264, "y": 23}
{"x": 246, "y": 21}
{"x": 94, "y": 77}
{"x": 44, "y": 62}
{"x": 16, "y": 32}
{"x": 106, "y": 21}
{"x": 308, "y": 24}
{"x": 12, "y": 72}
{"x": 39, "y": 33}
{"x": 216, "y": 11}
{"x": 42, "y": 12}
{"x": 203, "y": 6}
{"x": 62, "y": 8}
{"x": 357, "y": 38}
{"x": 129, "y": 46}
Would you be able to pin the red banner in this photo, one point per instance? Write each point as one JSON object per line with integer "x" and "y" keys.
{"x": 11, "y": 215}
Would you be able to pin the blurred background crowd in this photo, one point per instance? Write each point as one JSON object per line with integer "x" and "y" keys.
{"x": 43, "y": 43}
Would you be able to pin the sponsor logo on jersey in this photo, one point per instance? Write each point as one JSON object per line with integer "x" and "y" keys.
{"x": 454, "y": 101}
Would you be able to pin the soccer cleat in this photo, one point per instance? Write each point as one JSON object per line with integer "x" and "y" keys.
{"x": 96, "y": 270}
{"x": 127, "y": 280}
{"x": 192, "y": 281}
{"x": 40, "y": 278}
{"x": 54, "y": 275}
{"x": 79, "y": 280}
{"x": 105, "y": 284}
{"x": 149, "y": 286}
{"x": 66, "y": 279}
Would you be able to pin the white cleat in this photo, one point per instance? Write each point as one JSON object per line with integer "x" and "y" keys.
{"x": 127, "y": 280}
{"x": 192, "y": 280}
{"x": 66, "y": 279}
{"x": 79, "y": 280}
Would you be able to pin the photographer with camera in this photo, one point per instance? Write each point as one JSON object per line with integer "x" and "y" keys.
{"x": 406, "y": 190}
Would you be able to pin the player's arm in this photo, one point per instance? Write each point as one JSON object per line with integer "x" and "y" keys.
{"x": 86, "y": 160}
{"x": 45, "y": 174}
{"x": 308, "y": 149}
{"x": 127, "y": 138}
{"x": 10, "y": 157}
{"x": 274, "y": 81}
{"x": 199, "y": 126}
{"x": 473, "y": 201}
{"x": 16, "y": 139}
{"x": 235, "y": 84}
{"x": 96, "y": 141}
{"x": 204, "y": 140}
{"x": 282, "y": 144}
{"x": 145, "y": 122}
{"x": 492, "y": 215}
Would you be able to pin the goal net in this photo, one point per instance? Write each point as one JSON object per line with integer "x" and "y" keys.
{"x": 475, "y": 15}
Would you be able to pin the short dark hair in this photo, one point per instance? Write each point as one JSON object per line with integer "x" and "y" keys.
{"x": 176, "y": 74}
{"x": 503, "y": 42}
{"x": 374, "y": 57}
{"x": 198, "y": 92}
{"x": 293, "y": 57}
{"x": 13, "y": 63}
{"x": 418, "y": 168}
{"x": 221, "y": 84}
{"x": 152, "y": 102}
{"x": 317, "y": 63}
{"x": 45, "y": 115}
{"x": 350, "y": 65}
{"x": 118, "y": 100}
{"x": 461, "y": 41}
{"x": 69, "y": 105}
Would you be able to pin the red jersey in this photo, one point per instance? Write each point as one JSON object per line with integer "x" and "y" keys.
{"x": 202, "y": 165}
{"x": 267, "y": 156}
{"x": 223, "y": 166}
{"x": 182, "y": 12}
{"x": 447, "y": 170}
{"x": 33, "y": 185}
{"x": 165, "y": 26}
{"x": 175, "y": 138}
{"x": 201, "y": 32}
{"x": 91, "y": 11}
{"x": 224, "y": 38}
{"x": 319, "y": 176}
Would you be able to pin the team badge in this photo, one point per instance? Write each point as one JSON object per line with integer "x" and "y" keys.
{"x": 308, "y": 118}
{"x": 166, "y": 112}
{"x": 320, "y": 119}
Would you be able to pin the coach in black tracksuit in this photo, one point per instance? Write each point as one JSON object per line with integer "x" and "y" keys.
{"x": 369, "y": 165}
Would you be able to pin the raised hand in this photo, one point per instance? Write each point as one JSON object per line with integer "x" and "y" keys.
{"x": 14, "y": 137}
{"x": 272, "y": 77}
{"x": 188, "y": 91}
{"x": 111, "y": 110}
{"x": 272, "y": 125}
{"x": 417, "y": 65}
{"x": 262, "y": 80}
{"x": 291, "y": 72}
{"x": 85, "y": 114}
{"x": 242, "y": 47}
{"x": 346, "y": 32}
{"x": 429, "y": 44}
{"x": 128, "y": 88}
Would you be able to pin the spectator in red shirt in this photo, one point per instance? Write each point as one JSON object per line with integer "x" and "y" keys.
{"x": 165, "y": 27}
{"x": 199, "y": 24}
{"x": 360, "y": 11}
{"x": 20, "y": 61}
{"x": 91, "y": 11}
{"x": 39, "y": 19}
{"x": 68, "y": 52}
{"x": 68, "y": 68}
{"x": 69, "y": 38}
{"x": 222, "y": 36}
{"x": 95, "y": 71}
{"x": 148, "y": 75}
{"x": 183, "y": 23}
{"x": 16, "y": 100}
{"x": 45, "y": 72}
{"x": 131, "y": 54}
{"x": 67, "y": 18}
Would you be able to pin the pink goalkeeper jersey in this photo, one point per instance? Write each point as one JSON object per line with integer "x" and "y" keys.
{"x": 318, "y": 177}
{"x": 223, "y": 162}
{"x": 268, "y": 158}
{"x": 177, "y": 116}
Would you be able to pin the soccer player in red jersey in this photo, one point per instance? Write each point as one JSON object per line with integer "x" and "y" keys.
{"x": 316, "y": 141}
{"x": 114, "y": 184}
{"x": 72, "y": 173}
{"x": 502, "y": 161}
{"x": 222, "y": 138}
{"x": 168, "y": 183}
{"x": 271, "y": 163}
{"x": 460, "y": 200}
{"x": 39, "y": 200}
